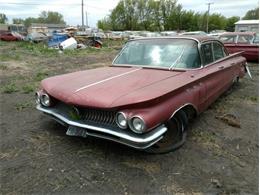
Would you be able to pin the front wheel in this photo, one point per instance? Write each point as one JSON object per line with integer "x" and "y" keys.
{"x": 174, "y": 137}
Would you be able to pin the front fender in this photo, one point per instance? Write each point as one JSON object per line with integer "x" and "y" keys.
{"x": 166, "y": 108}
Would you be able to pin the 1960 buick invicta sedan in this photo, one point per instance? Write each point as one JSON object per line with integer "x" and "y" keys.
{"x": 146, "y": 98}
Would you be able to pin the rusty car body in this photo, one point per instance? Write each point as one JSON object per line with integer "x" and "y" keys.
{"x": 247, "y": 42}
{"x": 146, "y": 98}
{"x": 10, "y": 36}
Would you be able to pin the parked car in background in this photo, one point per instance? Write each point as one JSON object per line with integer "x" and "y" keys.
{"x": 116, "y": 35}
{"x": 194, "y": 33}
{"x": 147, "y": 97}
{"x": 10, "y": 36}
{"x": 246, "y": 42}
{"x": 150, "y": 34}
{"x": 216, "y": 33}
{"x": 168, "y": 33}
{"x": 38, "y": 37}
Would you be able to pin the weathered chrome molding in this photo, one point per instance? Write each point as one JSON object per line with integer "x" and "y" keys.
{"x": 122, "y": 136}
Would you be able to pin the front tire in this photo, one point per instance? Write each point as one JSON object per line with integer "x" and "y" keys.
{"x": 174, "y": 137}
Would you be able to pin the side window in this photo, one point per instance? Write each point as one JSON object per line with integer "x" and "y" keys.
{"x": 218, "y": 51}
{"x": 207, "y": 53}
{"x": 244, "y": 39}
{"x": 256, "y": 39}
{"x": 228, "y": 38}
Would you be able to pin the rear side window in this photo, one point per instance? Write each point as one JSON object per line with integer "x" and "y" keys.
{"x": 244, "y": 39}
{"x": 228, "y": 38}
{"x": 218, "y": 51}
{"x": 256, "y": 39}
{"x": 207, "y": 53}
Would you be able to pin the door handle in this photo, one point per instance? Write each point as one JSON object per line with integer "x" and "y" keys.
{"x": 221, "y": 67}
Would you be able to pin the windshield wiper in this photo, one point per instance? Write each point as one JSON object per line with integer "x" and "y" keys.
{"x": 177, "y": 60}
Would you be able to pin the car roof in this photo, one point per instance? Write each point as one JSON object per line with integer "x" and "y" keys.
{"x": 198, "y": 38}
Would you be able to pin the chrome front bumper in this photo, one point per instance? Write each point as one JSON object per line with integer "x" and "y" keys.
{"x": 126, "y": 137}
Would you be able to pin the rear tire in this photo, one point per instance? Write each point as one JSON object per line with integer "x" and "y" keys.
{"x": 174, "y": 137}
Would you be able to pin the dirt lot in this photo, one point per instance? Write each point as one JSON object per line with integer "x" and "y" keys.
{"x": 38, "y": 158}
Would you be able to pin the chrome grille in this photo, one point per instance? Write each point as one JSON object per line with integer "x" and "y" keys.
{"x": 89, "y": 115}
{"x": 99, "y": 116}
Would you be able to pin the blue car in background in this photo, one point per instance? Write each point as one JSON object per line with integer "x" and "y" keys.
{"x": 57, "y": 39}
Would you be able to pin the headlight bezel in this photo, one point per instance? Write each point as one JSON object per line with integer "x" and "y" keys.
{"x": 125, "y": 118}
{"x": 38, "y": 98}
{"x": 45, "y": 95}
{"x": 133, "y": 127}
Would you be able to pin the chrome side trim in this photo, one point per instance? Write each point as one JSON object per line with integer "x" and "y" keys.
{"x": 187, "y": 104}
{"x": 124, "y": 137}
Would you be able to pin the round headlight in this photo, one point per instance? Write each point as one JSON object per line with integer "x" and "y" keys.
{"x": 37, "y": 98}
{"x": 121, "y": 120}
{"x": 137, "y": 125}
{"x": 45, "y": 100}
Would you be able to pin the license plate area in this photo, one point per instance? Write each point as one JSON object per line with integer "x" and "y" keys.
{"x": 76, "y": 131}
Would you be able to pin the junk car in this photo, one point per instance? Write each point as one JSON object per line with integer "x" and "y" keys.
{"x": 147, "y": 97}
{"x": 247, "y": 42}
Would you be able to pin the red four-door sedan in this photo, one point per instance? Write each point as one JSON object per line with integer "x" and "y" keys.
{"x": 146, "y": 98}
{"x": 246, "y": 42}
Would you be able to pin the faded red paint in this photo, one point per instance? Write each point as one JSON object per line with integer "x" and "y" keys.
{"x": 8, "y": 36}
{"x": 152, "y": 94}
{"x": 250, "y": 51}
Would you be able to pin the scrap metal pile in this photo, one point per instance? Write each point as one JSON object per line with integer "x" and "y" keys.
{"x": 68, "y": 38}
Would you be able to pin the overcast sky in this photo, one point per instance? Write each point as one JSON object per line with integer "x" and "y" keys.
{"x": 98, "y": 9}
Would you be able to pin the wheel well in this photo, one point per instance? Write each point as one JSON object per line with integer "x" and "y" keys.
{"x": 190, "y": 111}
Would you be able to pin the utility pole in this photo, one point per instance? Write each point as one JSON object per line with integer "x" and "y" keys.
{"x": 208, "y": 16}
{"x": 87, "y": 19}
{"x": 82, "y": 13}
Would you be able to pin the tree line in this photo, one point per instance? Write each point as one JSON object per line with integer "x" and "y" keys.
{"x": 47, "y": 17}
{"x": 154, "y": 15}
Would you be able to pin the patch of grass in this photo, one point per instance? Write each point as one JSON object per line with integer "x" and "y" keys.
{"x": 253, "y": 99}
{"x": 3, "y": 67}
{"x": 28, "y": 88}
{"x": 37, "y": 49}
{"x": 9, "y": 56}
{"x": 3, "y": 43}
{"x": 10, "y": 88}
{"x": 21, "y": 106}
{"x": 40, "y": 76}
{"x": 203, "y": 136}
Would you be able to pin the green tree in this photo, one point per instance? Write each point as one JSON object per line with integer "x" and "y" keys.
{"x": 51, "y": 17}
{"x": 216, "y": 22}
{"x": 252, "y": 14}
{"x": 230, "y": 24}
{"x": 104, "y": 24}
{"x": 154, "y": 15}
{"x": 29, "y": 21}
{"x": 18, "y": 21}
{"x": 3, "y": 18}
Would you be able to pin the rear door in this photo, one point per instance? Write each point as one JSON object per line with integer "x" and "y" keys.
{"x": 218, "y": 72}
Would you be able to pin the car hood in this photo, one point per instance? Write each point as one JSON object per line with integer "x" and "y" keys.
{"x": 109, "y": 87}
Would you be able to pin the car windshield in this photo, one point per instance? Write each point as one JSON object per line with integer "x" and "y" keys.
{"x": 160, "y": 53}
